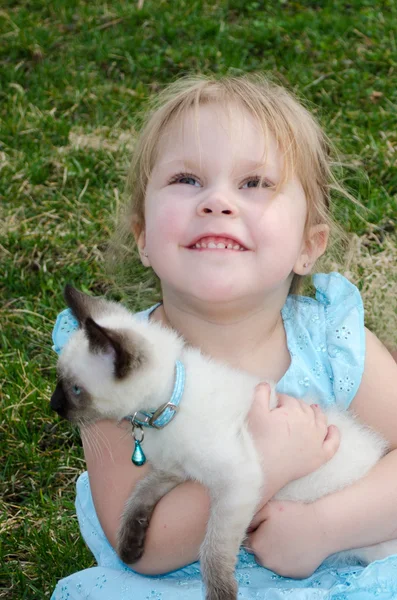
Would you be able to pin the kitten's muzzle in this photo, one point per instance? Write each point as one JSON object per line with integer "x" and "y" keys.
{"x": 59, "y": 401}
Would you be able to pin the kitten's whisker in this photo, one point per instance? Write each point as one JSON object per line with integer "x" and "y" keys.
{"x": 101, "y": 437}
{"x": 97, "y": 440}
{"x": 92, "y": 443}
{"x": 88, "y": 438}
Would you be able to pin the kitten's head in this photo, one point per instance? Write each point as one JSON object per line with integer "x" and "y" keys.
{"x": 113, "y": 364}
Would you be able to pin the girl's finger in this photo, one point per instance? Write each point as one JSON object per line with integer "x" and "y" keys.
{"x": 247, "y": 543}
{"x": 259, "y": 410}
{"x": 319, "y": 414}
{"x": 262, "y": 396}
{"x": 295, "y": 404}
{"x": 317, "y": 410}
{"x": 261, "y": 515}
{"x": 331, "y": 441}
{"x": 285, "y": 400}
{"x": 306, "y": 408}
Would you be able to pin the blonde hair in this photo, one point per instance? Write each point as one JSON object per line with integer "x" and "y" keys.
{"x": 305, "y": 147}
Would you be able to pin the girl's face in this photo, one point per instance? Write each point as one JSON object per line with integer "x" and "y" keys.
{"x": 212, "y": 233}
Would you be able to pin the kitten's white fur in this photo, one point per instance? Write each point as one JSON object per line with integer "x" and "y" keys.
{"x": 208, "y": 440}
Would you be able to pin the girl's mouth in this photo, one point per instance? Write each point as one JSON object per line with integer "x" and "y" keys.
{"x": 217, "y": 243}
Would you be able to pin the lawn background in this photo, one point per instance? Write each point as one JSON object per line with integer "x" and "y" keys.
{"x": 74, "y": 78}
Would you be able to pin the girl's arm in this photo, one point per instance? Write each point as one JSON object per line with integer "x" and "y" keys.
{"x": 366, "y": 512}
{"x": 292, "y": 539}
{"x": 179, "y": 520}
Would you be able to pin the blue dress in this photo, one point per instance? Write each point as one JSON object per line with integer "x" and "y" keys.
{"x": 326, "y": 341}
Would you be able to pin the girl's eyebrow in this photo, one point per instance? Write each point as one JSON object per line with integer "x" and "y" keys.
{"x": 178, "y": 161}
{"x": 243, "y": 167}
{"x": 242, "y": 164}
{"x": 250, "y": 166}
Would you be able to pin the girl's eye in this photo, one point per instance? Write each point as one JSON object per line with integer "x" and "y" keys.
{"x": 186, "y": 178}
{"x": 76, "y": 390}
{"x": 254, "y": 182}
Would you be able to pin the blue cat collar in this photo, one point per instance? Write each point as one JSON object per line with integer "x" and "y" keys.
{"x": 160, "y": 417}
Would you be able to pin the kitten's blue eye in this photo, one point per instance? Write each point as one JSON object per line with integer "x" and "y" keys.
{"x": 76, "y": 390}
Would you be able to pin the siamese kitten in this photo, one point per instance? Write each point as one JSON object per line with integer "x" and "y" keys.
{"x": 116, "y": 364}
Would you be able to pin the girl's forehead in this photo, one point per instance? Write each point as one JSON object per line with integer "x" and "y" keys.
{"x": 211, "y": 128}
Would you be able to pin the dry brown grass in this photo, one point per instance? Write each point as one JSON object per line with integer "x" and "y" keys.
{"x": 102, "y": 138}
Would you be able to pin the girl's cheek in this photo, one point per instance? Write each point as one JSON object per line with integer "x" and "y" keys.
{"x": 165, "y": 225}
{"x": 281, "y": 222}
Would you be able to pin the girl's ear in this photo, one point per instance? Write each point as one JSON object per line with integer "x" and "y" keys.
{"x": 313, "y": 247}
{"x": 139, "y": 233}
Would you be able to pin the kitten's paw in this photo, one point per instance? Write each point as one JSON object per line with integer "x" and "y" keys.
{"x": 131, "y": 537}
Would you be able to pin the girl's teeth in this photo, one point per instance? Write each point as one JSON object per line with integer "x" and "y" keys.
{"x": 220, "y": 245}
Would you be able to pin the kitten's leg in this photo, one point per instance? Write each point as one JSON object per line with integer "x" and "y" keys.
{"x": 138, "y": 511}
{"x": 233, "y": 504}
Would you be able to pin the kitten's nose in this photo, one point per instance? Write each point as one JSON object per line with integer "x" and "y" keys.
{"x": 59, "y": 400}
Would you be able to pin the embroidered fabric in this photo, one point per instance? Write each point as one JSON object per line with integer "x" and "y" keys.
{"x": 112, "y": 579}
{"x": 326, "y": 340}
{"x": 65, "y": 325}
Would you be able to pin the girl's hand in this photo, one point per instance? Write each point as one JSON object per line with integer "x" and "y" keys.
{"x": 293, "y": 439}
{"x": 288, "y": 539}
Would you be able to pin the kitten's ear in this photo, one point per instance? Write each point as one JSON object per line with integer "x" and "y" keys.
{"x": 81, "y": 304}
{"x": 124, "y": 354}
{"x": 124, "y": 350}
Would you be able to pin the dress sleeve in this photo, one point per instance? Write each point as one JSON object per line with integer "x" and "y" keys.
{"x": 345, "y": 333}
{"x": 65, "y": 325}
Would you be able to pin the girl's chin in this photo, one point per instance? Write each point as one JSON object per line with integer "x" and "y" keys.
{"x": 215, "y": 297}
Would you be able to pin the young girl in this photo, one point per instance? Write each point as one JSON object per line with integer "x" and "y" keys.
{"x": 229, "y": 203}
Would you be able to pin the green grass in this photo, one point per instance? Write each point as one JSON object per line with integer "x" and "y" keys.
{"x": 77, "y": 68}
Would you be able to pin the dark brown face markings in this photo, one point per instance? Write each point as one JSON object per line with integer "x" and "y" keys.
{"x": 73, "y": 402}
{"x": 84, "y": 306}
{"x": 81, "y": 304}
{"x": 127, "y": 355}
{"x": 59, "y": 400}
{"x": 125, "y": 351}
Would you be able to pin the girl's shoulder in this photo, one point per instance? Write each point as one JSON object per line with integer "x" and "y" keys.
{"x": 336, "y": 298}
{"x": 326, "y": 336}
{"x": 144, "y": 315}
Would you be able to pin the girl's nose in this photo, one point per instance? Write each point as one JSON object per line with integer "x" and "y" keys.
{"x": 217, "y": 204}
